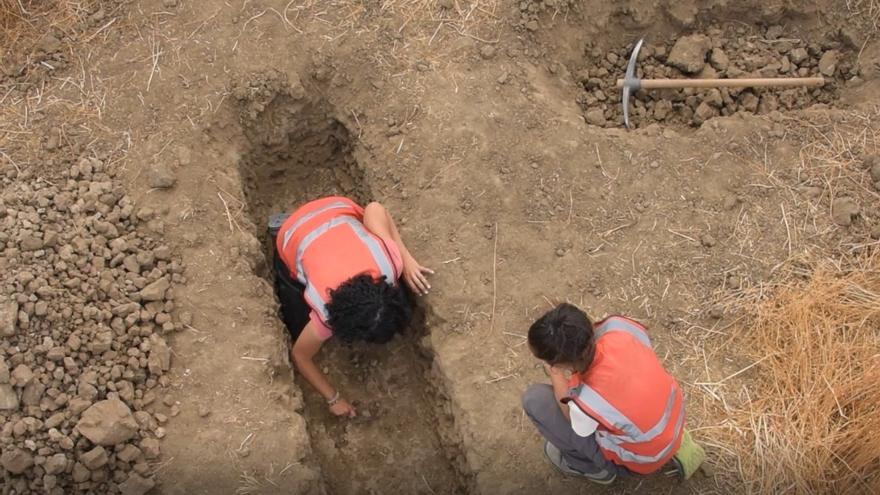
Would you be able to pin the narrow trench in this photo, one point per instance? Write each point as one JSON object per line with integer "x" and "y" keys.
{"x": 403, "y": 440}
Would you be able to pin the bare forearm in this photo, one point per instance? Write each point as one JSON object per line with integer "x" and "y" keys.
{"x": 310, "y": 371}
{"x": 395, "y": 235}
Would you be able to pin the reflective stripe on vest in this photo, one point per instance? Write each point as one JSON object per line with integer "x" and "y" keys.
{"x": 299, "y": 223}
{"x": 613, "y": 416}
{"x": 382, "y": 260}
{"x": 606, "y": 441}
{"x": 622, "y": 325}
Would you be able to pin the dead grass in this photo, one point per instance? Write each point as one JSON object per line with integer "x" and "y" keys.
{"x": 24, "y": 21}
{"x": 808, "y": 421}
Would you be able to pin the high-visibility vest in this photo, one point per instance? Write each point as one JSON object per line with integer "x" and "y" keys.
{"x": 324, "y": 243}
{"x": 638, "y": 405}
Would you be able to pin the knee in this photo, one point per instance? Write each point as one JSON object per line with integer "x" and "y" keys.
{"x": 538, "y": 396}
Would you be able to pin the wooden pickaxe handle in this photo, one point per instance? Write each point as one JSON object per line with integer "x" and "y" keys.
{"x": 728, "y": 83}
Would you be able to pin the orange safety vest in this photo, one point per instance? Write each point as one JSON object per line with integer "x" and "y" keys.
{"x": 638, "y": 405}
{"x": 324, "y": 243}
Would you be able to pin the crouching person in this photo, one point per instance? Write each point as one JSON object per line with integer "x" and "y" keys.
{"x": 611, "y": 409}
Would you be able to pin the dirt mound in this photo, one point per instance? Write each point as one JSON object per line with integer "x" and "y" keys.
{"x": 85, "y": 301}
{"x": 719, "y": 53}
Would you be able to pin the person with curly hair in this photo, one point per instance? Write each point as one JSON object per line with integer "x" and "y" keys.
{"x": 337, "y": 272}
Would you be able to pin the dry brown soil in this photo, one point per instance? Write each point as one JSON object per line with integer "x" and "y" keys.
{"x": 467, "y": 120}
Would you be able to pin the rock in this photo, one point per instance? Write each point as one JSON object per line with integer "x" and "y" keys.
{"x": 204, "y": 412}
{"x": 704, "y": 112}
{"x": 16, "y": 461}
{"x": 875, "y": 232}
{"x": 150, "y": 448}
{"x": 487, "y": 52}
{"x": 160, "y": 356}
{"x": 107, "y": 423}
{"x": 714, "y": 98}
{"x": 159, "y": 176}
{"x": 8, "y": 398}
{"x": 748, "y": 101}
{"x": 31, "y": 243}
{"x": 136, "y": 485}
{"x": 689, "y": 53}
{"x": 828, "y": 62}
{"x": 169, "y": 4}
{"x": 773, "y": 32}
{"x": 595, "y": 116}
{"x": 22, "y": 375}
{"x": 8, "y": 318}
{"x": 156, "y": 290}
{"x": 128, "y": 453}
{"x": 719, "y": 59}
{"x": 707, "y": 240}
{"x": 4, "y": 371}
{"x": 798, "y": 55}
{"x": 843, "y": 210}
{"x": 446, "y": 4}
{"x": 56, "y": 464}
{"x": 80, "y": 473}
{"x": 95, "y": 458}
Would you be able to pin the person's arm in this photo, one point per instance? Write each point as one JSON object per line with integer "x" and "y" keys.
{"x": 303, "y": 355}
{"x": 378, "y": 220}
{"x": 560, "y": 388}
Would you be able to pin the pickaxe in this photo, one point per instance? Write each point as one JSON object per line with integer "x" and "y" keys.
{"x": 630, "y": 83}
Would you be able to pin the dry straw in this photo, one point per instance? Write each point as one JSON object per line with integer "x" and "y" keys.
{"x": 808, "y": 416}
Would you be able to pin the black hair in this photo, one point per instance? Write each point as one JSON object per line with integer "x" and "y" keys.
{"x": 564, "y": 335}
{"x": 368, "y": 309}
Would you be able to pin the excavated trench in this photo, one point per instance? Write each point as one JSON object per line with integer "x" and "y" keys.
{"x": 403, "y": 440}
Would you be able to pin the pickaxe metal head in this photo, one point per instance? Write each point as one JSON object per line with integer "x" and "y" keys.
{"x": 631, "y": 83}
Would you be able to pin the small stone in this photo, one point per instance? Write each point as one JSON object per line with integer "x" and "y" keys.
{"x": 204, "y": 412}
{"x": 843, "y": 210}
{"x": 81, "y": 473}
{"x": 719, "y": 59}
{"x": 107, "y": 423}
{"x": 16, "y": 460}
{"x": 22, "y": 375}
{"x": 150, "y": 448}
{"x": 487, "y": 52}
{"x": 560, "y": 252}
{"x": 873, "y": 164}
{"x": 156, "y": 290}
{"x": 716, "y": 313}
{"x": 704, "y": 112}
{"x": 56, "y": 464}
{"x": 136, "y": 485}
{"x": 532, "y": 25}
{"x": 159, "y": 176}
{"x": 95, "y": 458}
{"x": 707, "y": 240}
{"x": 128, "y": 453}
{"x": 828, "y": 62}
{"x": 774, "y": 32}
{"x": 8, "y": 318}
{"x": 875, "y": 232}
{"x": 595, "y": 116}
{"x": 446, "y": 4}
{"x": 8, "y": 398}
{"x": 689, "y": 53}
{"x": 169, "y": 4}
{"x": 798, "y": 55}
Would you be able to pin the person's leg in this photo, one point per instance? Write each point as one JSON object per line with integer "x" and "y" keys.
{"x": 294, "y": 309}
{"x": 580, "y": 453}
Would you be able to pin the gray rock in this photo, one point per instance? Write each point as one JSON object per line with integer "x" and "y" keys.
{"x": 828, "y": 62}
{"x": 56, "y": 464}
{"x": 22, "y": 375}
{"x": 4, "y": 371}
{"x": 156, "y": 290}
{"x": 159, "y": 176}
{"x": 8, "y": 398}
{"x": 16, "y": 460}
{"x": 873, "y": 163}
{"x": 689, "y": 53}
{"x": 798, "y": 55}
{"x": 107, "y": 423}
{"x": 129, "y": 453}
{"x": 8, "y": 318}
{"x": 843, "y": 210}
{"x": 80, "y": 473}
{"x": 719, "y": 59}
{"x": 95, "y": 458}
{"x": 595, "y": 116}
{"x": 136, "y": 485}
{"x": 160, "y": 356}
{"x": 150, "y": 448}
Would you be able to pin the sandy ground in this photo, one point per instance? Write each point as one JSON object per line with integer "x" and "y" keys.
{"x": 470, "y": 128}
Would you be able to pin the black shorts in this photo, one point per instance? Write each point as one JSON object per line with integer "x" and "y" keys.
{"x": 294, "y": 309}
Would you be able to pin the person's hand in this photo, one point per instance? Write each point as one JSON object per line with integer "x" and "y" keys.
{"x": 414, "y": 275}
{"x": 554, "y": 371}
{"x": 343, "y": 408}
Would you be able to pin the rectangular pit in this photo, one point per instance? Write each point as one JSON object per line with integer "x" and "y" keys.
{"x": 402, "y": 441}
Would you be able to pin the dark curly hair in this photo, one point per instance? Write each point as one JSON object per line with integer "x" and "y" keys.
{"x": 564, "y": 335}
{"x": 368, "y": 309}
